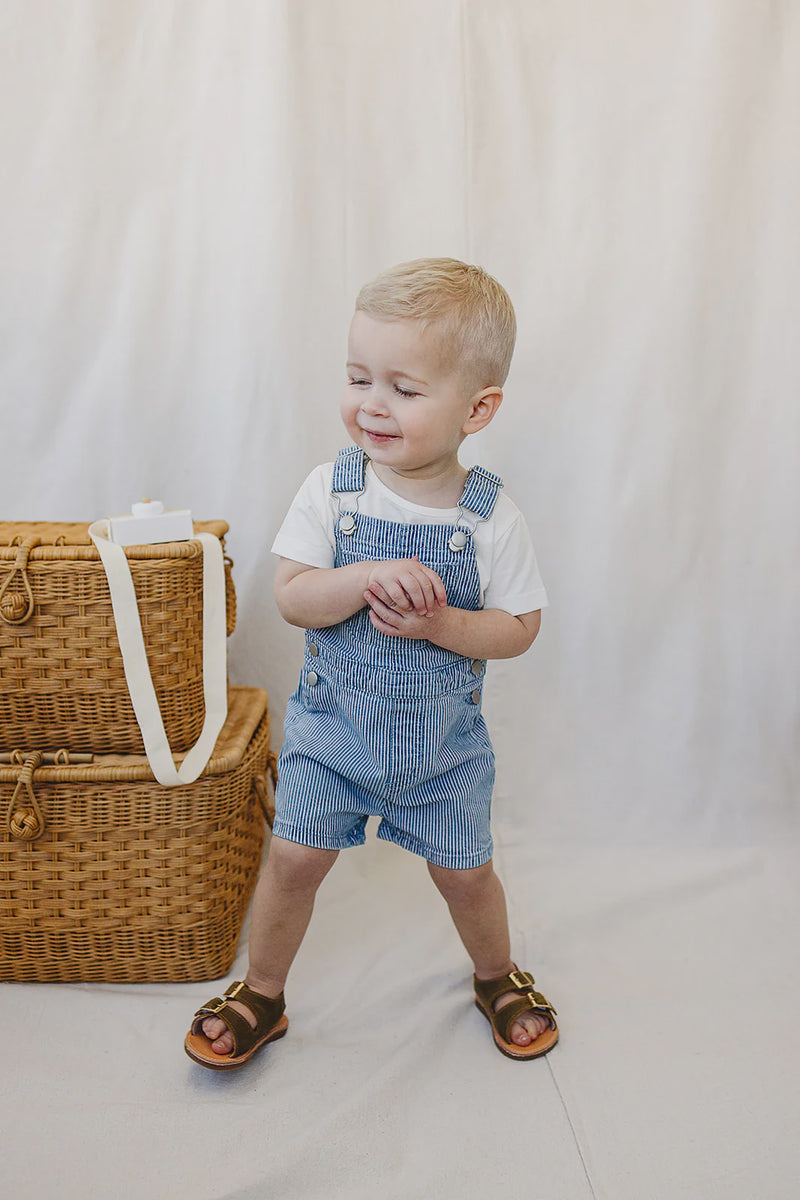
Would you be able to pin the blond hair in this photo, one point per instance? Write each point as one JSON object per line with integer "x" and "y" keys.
{"x": 468, "y": 309}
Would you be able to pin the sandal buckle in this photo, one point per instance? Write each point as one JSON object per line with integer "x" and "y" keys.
{"x": 541, "y": 1002}
{"x": 233, "y": 991}
{"x": 524, "y": 981}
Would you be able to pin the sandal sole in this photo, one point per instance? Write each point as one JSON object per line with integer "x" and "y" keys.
{"x": 221, "y": 1062}
{"x": 519, "y": 1052}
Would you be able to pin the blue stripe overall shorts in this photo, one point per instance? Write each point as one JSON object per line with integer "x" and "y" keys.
{"x": 390, "y": 726}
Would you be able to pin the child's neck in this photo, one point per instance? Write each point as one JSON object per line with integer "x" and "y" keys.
{"x": 435, "y": 487}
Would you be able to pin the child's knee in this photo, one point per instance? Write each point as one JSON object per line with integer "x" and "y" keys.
{"x": 457, "y": 884}
{"x": 297, "y": 867}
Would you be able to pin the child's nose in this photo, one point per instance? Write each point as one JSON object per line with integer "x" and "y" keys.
{"x": 374, "y": 402}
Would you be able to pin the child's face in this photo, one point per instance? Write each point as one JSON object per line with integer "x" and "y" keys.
{"x": 401, "y": 403}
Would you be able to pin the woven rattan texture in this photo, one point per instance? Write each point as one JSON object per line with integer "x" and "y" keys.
{"x": 62, "y": 680}
{"x": 134, "y": 882}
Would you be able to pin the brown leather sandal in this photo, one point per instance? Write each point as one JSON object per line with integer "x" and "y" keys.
{"x": 489, "y": 990}
{"x": 271, "y": 1024}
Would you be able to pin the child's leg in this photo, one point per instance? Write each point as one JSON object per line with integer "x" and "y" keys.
{"x": 477, "y": 905}
{"x": 282, "y": 907}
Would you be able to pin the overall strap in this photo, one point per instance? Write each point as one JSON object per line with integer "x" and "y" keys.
{"x": 348, "y": 470}
{"x": 481, "y": 490}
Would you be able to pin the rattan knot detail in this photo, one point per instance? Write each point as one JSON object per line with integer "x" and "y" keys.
{"x": 26, "y": 824}
{"x": 14, "y": 608}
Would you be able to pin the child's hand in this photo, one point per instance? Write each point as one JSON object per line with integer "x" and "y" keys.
{"x": 405, "y": 585}
{"x": 406, "y": 624}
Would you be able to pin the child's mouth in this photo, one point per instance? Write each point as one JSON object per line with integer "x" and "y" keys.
{"x": 380, "y": 438}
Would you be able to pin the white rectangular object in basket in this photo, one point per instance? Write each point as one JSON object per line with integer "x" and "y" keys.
{"x": 148, "y": 523}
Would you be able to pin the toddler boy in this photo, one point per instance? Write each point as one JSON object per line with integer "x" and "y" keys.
{"x": 408, "y": 572}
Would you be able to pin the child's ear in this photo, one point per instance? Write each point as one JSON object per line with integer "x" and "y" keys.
{"x": 483, "y": 406}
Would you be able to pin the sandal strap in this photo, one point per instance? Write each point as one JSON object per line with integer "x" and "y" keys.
{"x": 505, "y": 1017}
{"x": 266, "y": 1010}
{"x": 521, "y": 982}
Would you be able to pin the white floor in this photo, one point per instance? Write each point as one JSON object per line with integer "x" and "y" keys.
{"x": 675, "y": 974}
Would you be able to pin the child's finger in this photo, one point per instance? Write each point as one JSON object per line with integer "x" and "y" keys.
{"x": 394, "y": 597}
{"x": 419, "y": 593}
{"x": 432, "y": 587}
{"x": 371, "y": 598}
{"x": 399, "y": 600}
{"x": 388, "y": 616}
{"x": 381, "y": 625}
{"x": 437, "y": 586}
{"x": 378, "y": 590}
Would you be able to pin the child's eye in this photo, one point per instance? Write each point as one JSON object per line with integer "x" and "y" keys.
{"x": 404, "y": 391}
{"x": 358, "y": 382}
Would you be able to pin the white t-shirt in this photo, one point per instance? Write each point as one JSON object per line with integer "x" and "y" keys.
{"x": 507, "y": 567}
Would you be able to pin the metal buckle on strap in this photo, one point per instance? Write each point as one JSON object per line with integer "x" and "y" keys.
{"x": 539, "y": 1001}
{"x": 525, "y": 983}
{"x": 216, "y": 1005}
{"x": 346, "y": 521}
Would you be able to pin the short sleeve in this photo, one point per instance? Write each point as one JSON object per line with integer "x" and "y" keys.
{"x": 306, "y": 535}
{"x": 515, "y": 584}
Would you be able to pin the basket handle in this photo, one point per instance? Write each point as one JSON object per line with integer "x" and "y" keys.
{"x": 260, "y": 788}
{"x": 137, "y": 670}
{"x": 13, "y": 608}
{"x": 26, "y": 820}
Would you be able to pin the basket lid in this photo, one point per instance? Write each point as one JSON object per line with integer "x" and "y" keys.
{"x": 70, "y": 540}
{"x": 246, "y": 709}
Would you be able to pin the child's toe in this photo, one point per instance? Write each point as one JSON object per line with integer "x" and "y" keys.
{"x": 520, "y": 1034}
{"x": 223, "y": 1044}
{"x": 527, "y": 1029}
{"x": 213, "y": 1028}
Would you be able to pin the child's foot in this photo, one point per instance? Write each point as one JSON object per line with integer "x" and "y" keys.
{"x": 236, "y": 1026}
{"x": 217, "y": 1031}
{"x": 523, "y": 1026}
{"x": 527, "y": 1026}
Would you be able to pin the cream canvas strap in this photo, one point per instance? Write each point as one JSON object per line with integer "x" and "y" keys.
{"x": 137, "y": 671}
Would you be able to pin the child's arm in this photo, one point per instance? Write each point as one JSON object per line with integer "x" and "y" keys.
{"x": 486, "y": 633}
{"x": 315, "y": 597}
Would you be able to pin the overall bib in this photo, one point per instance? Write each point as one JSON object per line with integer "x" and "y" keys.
{"x": 390, "y": 726}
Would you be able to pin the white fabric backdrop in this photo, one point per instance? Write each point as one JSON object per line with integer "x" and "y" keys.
{"x": 192, "y": 194}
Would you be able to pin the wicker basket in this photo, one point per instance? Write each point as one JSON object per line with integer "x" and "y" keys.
{"x": 123, "y": 880}
{"x": 62, "y": 681}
